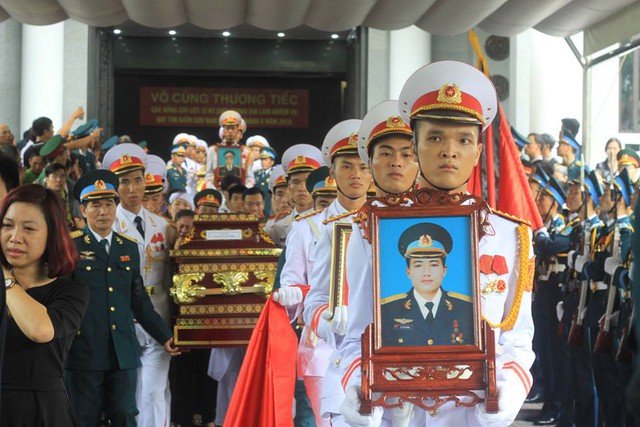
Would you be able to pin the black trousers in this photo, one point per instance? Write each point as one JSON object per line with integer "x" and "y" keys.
{"x": 112, "y": 392}
{"x": 192, "y": 390}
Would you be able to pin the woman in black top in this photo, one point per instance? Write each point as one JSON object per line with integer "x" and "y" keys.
{"x": 45, "y": 309}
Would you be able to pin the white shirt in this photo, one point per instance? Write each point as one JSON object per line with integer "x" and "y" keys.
{"x": 422, "y": 303}
{"x": 99, "y": 238}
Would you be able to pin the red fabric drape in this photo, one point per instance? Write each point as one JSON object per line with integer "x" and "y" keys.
{"x": 263, "y": 395}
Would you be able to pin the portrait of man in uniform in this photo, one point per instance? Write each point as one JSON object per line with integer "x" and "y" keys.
{"x": 432, "y": 312}
{"x": 229, "y": 162}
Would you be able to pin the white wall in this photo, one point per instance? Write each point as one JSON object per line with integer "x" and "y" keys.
{"x": 392, "y": 57}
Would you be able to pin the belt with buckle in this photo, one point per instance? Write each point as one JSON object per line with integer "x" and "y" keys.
{"x": 598, "y": 286}
{"x": 557, "y": 268}
{"x": 149, "y": 290}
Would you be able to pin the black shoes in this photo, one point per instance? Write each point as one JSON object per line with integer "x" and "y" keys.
{"x": 546, "y": 420}
{"x": 534, "y": 397}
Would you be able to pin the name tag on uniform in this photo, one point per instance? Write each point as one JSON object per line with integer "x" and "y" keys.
{"x": 403, "y": 324}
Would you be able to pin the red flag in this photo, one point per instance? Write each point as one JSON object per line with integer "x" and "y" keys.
{"x": 514, "y": 195}
{"x": 263, "y": 395}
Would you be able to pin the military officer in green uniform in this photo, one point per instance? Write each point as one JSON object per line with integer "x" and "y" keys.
{"x": 569, "y": 148}
{"x": 426, "y": 314}
{"x": 104, "y": 357}
{"x": 262, "y": 176}
{"x": 176, "y": 173}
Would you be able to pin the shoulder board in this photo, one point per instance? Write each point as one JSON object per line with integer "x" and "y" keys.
{"x": 282, "y": 215}
{"x": 511, "y": 217}
{"x": 76, "y": 234}
{"x": 307, "y": 215}
{"x": 131, "y": 239}
{"x": 455, "y": 295}
{"x": 578, "y": 163}
{"x": 342, "y": 215}
{"x": 393, "y": 298}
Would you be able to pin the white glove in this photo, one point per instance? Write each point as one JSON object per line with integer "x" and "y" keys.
{"x": 613, "y": 318}
{"x": 560, "y": 310}
{"x": 540, "y": 232}
{"x": 581, "y": 260}
{"x": 288, "y": 295}
{"x": 337, "y": 322}
{"x": 571, "y": 259}
{"x": 402, "y": 416}
{"x": 350, "y": 410}
{"x": 611, "y": 265}
{"x": 583, "y": 313}
{"x": 511, "y": 395}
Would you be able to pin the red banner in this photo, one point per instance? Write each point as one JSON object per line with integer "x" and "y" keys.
{"x": 189, "y": 106}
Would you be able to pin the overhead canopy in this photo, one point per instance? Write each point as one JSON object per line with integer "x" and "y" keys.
{"x": 441, "y": 17}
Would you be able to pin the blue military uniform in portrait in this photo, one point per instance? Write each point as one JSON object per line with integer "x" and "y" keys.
{"x": 403, "y": 323}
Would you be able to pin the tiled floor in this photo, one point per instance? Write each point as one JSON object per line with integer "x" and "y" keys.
{"x": 527, "y": 411}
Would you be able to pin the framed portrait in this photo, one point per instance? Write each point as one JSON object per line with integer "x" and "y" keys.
{"x": 428, "y": 343}
{"x": 229, "y": 163}
{"x": 338, "y": 288}
{"x": 426, "y": 286}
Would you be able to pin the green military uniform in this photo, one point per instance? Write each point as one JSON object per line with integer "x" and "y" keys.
{"x": 177, "y": 177}
{"x": 106, "y": 343}
{"x": 105, "y": 355}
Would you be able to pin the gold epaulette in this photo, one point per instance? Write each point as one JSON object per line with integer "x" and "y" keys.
{"x": 129, "y": 238}
{"x": 456, "y": 295}
{"x": 307, "y": 215}
{"x": 76, "y": 234}
{"x": 393, "y": 298}
{"x": 342, "y": 215}
{"x": 511, "y": 217}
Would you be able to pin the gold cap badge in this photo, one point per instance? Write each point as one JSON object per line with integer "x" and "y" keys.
{"x": 449, "y": 94}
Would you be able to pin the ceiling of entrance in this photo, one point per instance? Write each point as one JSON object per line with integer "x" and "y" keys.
{"x": 312, "y": 17}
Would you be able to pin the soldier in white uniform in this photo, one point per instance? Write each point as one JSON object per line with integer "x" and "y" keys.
{"x": 448, "y": 104}
{"x": 279, "y": 199}
{"x": 154, "y": 237}
{"x": 230, "y": 122}
{"x": 298, "y": 161}
{"x": 352, "y": 176}
{"x": 155, "y": 184}
{"x": 331, "y": 327}
{"x": 254, "y": 144}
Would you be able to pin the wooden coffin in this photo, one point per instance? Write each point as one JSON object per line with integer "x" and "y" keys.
{"x": 225, "y": 271}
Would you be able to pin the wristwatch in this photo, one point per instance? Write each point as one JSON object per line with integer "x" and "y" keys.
{"x": 8, "y": 283}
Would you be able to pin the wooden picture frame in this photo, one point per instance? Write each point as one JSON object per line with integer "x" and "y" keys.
{"x": 404, "y": 358}
{"x": 338, "y": 288}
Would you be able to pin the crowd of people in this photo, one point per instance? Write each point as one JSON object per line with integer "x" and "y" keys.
{"x": 583, "y": 283}
{"x": 88, "y": 225}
